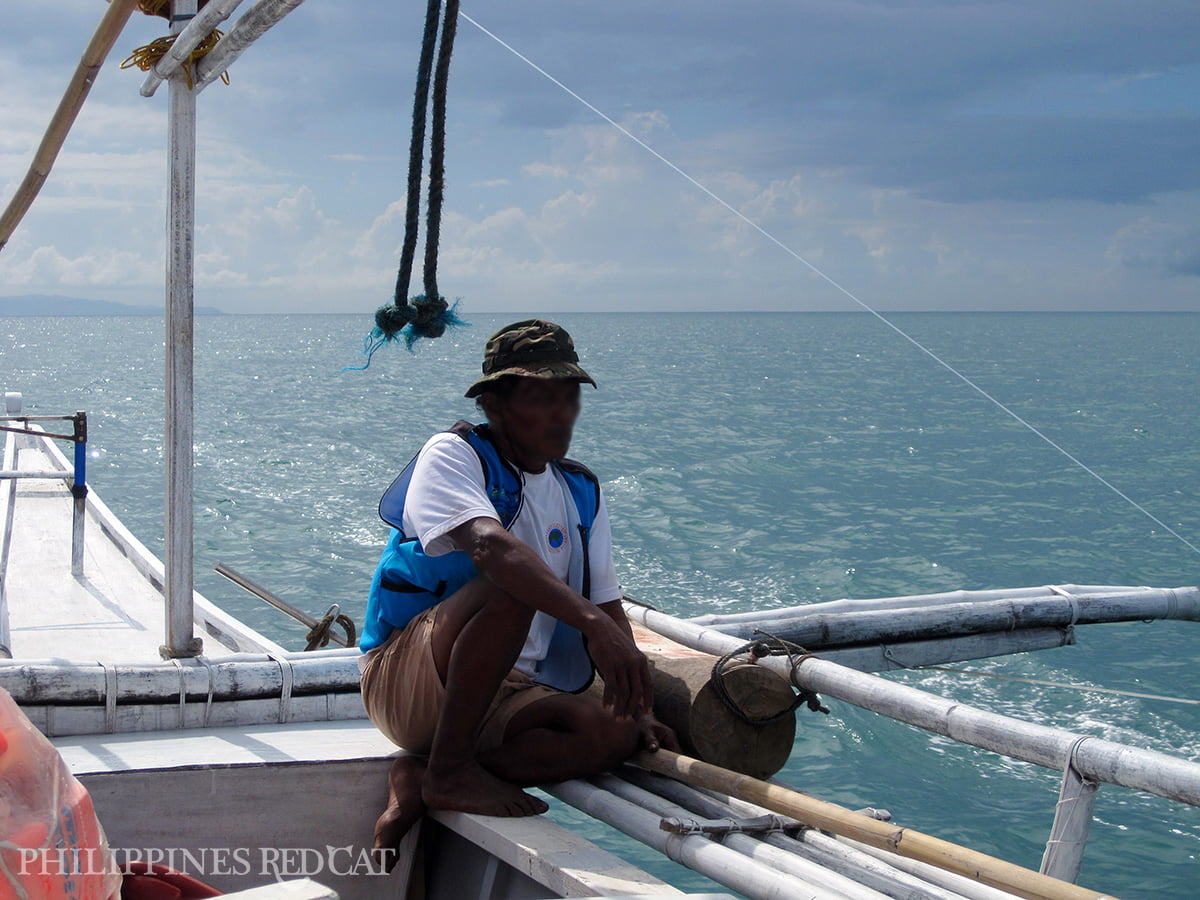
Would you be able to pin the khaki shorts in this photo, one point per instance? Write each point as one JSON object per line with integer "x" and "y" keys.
{"x": 404, "y": 694}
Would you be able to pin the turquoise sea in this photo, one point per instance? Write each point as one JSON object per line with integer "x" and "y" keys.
{"x": 751, "y": 461}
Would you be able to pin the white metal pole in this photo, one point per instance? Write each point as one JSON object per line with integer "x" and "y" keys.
{"x": 178, "y": 560}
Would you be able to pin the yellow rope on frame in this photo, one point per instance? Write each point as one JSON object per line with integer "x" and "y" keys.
{"x": 146, "y": 56}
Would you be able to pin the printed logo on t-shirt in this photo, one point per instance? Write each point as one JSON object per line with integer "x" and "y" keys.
{"x": 556, "y": 538}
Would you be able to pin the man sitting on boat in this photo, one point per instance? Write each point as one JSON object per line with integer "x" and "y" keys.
{"x": 499, "y": 569}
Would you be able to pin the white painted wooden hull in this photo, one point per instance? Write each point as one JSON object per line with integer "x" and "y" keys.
{"x": 238, "y": 807}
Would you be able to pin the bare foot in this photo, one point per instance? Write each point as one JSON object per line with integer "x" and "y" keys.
{"x": 471, "y": 788}
{"x": 404, "y": 808}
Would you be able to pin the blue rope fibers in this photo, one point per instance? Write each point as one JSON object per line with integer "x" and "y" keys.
{"x": 433, "y": 324}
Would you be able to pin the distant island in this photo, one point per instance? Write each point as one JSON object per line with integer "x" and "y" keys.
{"x": 50, "y": 305}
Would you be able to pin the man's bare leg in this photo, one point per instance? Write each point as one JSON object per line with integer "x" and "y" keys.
{"x": 404, "y": 808}
{"x": 477, "y": 636}
{"x": 561, "y": 737}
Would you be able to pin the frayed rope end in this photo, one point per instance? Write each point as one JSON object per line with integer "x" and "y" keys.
{"x": 424, "y": 318}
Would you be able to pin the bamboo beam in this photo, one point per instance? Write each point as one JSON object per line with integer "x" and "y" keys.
{"x": 798, "y": 866}
{"x": 253, "y": 24}
{"x": 891, "y": 625}
{"x": 744, "y": 875}
{"x": 110, "y": 27}
{"x": 236, "y": 677}
{"x": 214, "y": 13}
{"x": 909, "y": 601}
{"x": 1094, "y": 758}
{"x": 180, "y": 640}
{"x": 892, "y": 875}
{"x": 882, "y": 835}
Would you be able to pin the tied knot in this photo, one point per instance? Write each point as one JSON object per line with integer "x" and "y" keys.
{"x": 430, "y": 315}
{"x": 391, "y": 319}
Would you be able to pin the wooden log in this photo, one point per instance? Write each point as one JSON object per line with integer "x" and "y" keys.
{"x": 882, "y": 835}
{"x": 707, "y": 727}
{"x": 111, "y": 24}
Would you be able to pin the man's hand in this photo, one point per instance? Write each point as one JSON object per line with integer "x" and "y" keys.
{"x": 628, "y": 692}
{"x": 655, "y": 734}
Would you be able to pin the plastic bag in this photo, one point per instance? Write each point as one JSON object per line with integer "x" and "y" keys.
{"x": 51, "y": 844}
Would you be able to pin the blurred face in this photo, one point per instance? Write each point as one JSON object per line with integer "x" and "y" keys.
{"x": 535, "y": 422}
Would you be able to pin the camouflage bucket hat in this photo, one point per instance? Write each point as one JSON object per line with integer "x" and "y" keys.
{"x": 533, "y": 348}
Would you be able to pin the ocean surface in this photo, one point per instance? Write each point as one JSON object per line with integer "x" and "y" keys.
{"x": 751, "y": 461}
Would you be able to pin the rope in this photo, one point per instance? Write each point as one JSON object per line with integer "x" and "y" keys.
{"x": 1083, "y": 688}
{"x": 148, "y": 55}
{"x": 770, "y": 646}
{"x": 287, "y": 677}
{"x": 319, "y": 635}
{"x": 110, "y": 696}
{"x": 426, "y": 315}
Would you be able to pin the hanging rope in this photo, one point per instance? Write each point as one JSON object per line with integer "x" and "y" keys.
{"x": 426, "y": 315}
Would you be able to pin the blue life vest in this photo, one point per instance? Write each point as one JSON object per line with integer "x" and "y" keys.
{"x": 408, "y": 582}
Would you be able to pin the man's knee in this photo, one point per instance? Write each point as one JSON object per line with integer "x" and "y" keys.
{"x": 489, "y": 612}
{"x": 615, "y": 739}
{"x": 480, "y": 595}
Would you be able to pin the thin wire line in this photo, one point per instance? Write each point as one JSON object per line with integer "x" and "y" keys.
{"x": 1058, "y": 684}
{"x": 829, "y": 280}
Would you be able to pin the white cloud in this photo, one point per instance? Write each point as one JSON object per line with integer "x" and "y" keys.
{"x": 925, "y": 154}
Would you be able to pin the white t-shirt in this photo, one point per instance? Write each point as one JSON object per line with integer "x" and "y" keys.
{"x": 448, "y": 489}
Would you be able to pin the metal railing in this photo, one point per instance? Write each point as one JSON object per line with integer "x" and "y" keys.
{"x": 15, "y": 423}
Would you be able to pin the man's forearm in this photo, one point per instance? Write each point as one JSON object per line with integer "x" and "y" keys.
{"x": 515, "y": 568}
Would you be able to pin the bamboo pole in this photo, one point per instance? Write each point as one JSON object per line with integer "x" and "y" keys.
{"x": 892, "y": 625}
{"x": 110, "y": 27}
{"x": 887, "y": 875}
{"x": 236, "y": 677}
{"x": 249, "y": 28}
{"x": 909, "y": 601}
{"x": 798, "y": 866}
{"x": 740, "y": 873}
{"x": 1095, "y": 758}
{"x": 214, "y": 13}
{"x": 882, "y": 835}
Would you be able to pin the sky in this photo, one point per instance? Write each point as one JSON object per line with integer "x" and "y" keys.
{"x": 917, "y": 154}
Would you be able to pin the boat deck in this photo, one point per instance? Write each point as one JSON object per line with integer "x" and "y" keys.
{"x": 114, "y": 611}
